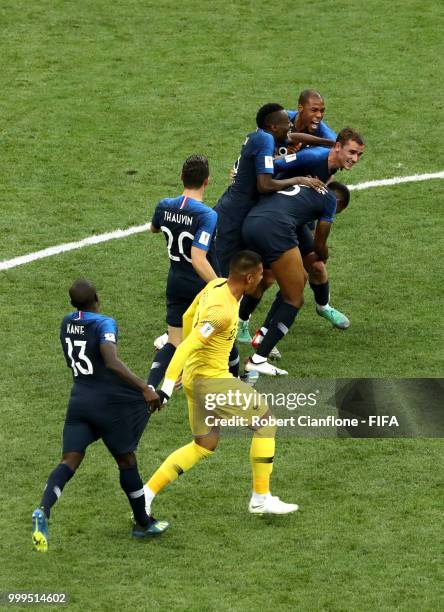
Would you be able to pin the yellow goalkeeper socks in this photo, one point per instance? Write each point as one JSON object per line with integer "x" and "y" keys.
{"x": 178, "y": 462}
{"x": 262, "y": 455}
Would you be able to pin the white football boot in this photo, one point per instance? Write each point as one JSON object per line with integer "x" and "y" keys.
{"x": 264, "y": 367}
{"x": 270, "y": 505}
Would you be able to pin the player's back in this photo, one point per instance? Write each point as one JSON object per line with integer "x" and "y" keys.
{"x": 311, "y": 161}
{"x": 81, "y": 334}
{"x": 256, "y": 157}
{"x": 295, "y": 206}
{"x": 185, "y": 223}
{"x": 217, "y": 309}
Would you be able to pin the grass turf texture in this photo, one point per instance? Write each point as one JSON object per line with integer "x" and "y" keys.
{"x": 91, "y": 93}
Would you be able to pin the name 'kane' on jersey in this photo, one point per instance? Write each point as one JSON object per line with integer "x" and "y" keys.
{"x": 185, "y": 223}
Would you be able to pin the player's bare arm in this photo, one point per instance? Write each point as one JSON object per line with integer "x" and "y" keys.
{"x": 201, "y": 264}
{"x": 108, "y": 351}
{"x": 320, "y": 239}
{"x": 267, "y": 184}
{"x": 308, "y": 139}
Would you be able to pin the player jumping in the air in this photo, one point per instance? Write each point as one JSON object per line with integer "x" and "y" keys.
{"x": 189, "y": 226}
{"x": 210, "y": 326}
{"x": 107, "y": 401}
{"x": 282, "y": 241}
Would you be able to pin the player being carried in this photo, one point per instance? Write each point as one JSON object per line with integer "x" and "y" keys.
{"x": 210, "y": 326}
{"x": 275, "y": 237}
{"x": 107, "y": 401}
{"x": 323, "y": 163}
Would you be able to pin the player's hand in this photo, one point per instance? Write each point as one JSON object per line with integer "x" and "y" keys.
{"x": 152, "y": 398}
{"x": 163, "y": 397}
{"x": 314, "y": 183}
{"x": 293, "y": 147}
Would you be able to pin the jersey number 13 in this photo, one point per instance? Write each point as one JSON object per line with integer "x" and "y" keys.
{"x": 81, "y": 363}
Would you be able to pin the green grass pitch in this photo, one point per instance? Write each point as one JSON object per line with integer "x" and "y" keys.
{"x": 100, "y": 104}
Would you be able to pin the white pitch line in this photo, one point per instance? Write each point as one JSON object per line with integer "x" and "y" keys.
{"x": 397, "y": 180}
{"x": 7, "y": 264}
{"x": 70, "y": 246}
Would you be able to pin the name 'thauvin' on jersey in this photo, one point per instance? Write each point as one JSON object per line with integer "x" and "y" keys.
{"x": 177, "y": 218}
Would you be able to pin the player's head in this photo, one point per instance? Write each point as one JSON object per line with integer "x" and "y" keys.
{"x": 246, "y": 269}
{"x": 311, "y": 109}
{"x": 342, "y": 195}
{"x": 348, "y": 148}
{"x": 273, "y": 118}
{"x": 195, "y": 172}
{"x": 83, "y": 295}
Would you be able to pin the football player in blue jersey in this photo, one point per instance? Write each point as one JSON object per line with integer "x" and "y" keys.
{"x": 309, "y": 116}
{"x": 322, "y": 162}
{"x": 308, "y": 119}
{"x": 275, "y": 237}
{"x": 107, "y": 401}
{"x": 255, "y": 175}
{"x": 189, "y": 228}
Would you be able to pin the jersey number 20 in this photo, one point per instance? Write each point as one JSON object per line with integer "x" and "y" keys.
{"x": 169, "y": 236}
{"x": 83, "y": 365}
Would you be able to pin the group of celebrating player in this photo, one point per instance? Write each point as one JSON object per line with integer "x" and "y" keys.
{"x": 271, "y": 224}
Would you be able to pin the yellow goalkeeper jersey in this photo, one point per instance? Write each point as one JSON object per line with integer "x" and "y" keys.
{"x": 209, "y": 330}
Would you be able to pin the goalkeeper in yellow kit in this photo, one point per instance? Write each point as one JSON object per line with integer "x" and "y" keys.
{"x": 209, "y": 328}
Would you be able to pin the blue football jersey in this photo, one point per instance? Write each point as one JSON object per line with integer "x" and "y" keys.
{"x": 256, "y": 157}
{"x": 81, "y": 334}
{"x": 312, "y": 161}
{"x": 186, "y": 223}
{"x": 323, "y": 130}
{"x": 296, "y": 205}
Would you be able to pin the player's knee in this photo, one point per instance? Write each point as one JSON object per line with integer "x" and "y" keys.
{"x": 318, "y": 271}
{"x": 294, "y": 299}
{"x": 125, "y": 461}
{"x": 267, "y": 427}
{"x": 209, "y": 442}
{"x": 72, "y": 460}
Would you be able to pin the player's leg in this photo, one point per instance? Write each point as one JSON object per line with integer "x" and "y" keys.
{"x": 234, "y": 361}
{"x": 248, "y": 305}
{"x": 163, "y": 357}
{"x": 77, "y": 435}
{"x": 132, "y": 486}
{"x": 255, "y": 239}
{"x": 259, "y": 336}
{"x": 176, "y": 305}
{"x": 290, "y": 275}
{"x": 229, "y": 242}
{"x": 58, "y": 478}
{"x": 262, "y": 452}
{"x": 121, "y": 424}
{"x": 233, "y": 398}
{"x": 183, "y": 459}
{"x": 319, "y": 283}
